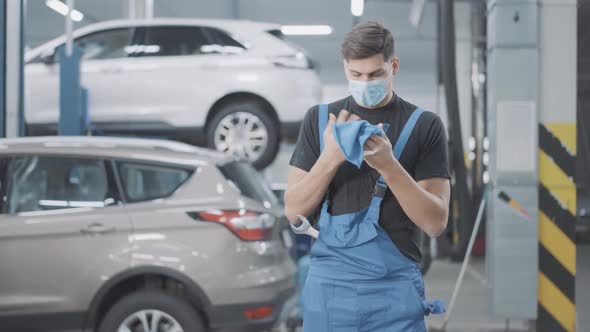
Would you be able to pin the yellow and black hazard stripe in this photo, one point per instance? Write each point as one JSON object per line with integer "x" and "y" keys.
{"x": 557, "y": 210}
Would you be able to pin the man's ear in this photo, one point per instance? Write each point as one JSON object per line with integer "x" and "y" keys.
{"x": 395, "y": 64}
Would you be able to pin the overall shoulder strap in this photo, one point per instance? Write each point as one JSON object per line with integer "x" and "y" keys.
{"x": 322, "y": 122}
{"x": 398, "y": 149}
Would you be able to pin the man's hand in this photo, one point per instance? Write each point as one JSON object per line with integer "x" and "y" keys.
{"x": 306, "y": 190}
{"x": 378, "y": 152}
{"x": 331, "y": 149}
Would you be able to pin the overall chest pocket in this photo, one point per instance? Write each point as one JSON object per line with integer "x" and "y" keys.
{"x": 347, "y": 230}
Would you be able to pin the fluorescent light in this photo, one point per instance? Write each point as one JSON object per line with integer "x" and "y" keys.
{"x": 63, "y": 9}
{"x": 306, "y": 30}
{"x": 77, "y": 16}
{"x": 357, "y": 7}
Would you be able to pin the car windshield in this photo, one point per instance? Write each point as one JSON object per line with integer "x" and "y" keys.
{"x": 249, "y": 182}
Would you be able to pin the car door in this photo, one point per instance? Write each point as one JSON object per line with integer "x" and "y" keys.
{"x": 62, "y": 234}
{"x": 182, "y": 67}
{"x": 106, "y": 70}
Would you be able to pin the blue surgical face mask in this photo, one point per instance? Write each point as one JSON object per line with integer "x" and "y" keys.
{"x": 368, "y": 93}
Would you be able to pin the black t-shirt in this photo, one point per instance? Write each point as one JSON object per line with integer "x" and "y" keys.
{"x": 424, "y": 157}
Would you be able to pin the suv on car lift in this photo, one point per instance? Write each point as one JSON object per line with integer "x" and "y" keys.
{"x": 235, "y": 86}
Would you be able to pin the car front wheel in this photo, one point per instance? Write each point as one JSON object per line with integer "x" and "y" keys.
{"x": 246, "y": 131}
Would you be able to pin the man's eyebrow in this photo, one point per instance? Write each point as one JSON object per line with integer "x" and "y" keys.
{"x": 376, "y": 72}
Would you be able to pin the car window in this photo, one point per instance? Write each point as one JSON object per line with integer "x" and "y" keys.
{"x": 244, "y": 178}
{"x": 172, "y": 41}
{"x": 221, "y": 42}
{"x": 108, "y": 44}
{"x": 49, "y": 183}
{"x": 142, "y": 182}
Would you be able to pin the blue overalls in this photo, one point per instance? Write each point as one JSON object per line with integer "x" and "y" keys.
{"x": 358, "y": 279}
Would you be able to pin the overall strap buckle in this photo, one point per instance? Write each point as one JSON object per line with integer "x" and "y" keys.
{"x": 380, "y": 189}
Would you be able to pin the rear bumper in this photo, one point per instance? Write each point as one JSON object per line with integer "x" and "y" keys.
{"x": 231, "y": 317}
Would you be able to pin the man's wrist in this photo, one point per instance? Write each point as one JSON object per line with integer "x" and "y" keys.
{"x": 390, "y": 169}
{"x": 328, "y": 163}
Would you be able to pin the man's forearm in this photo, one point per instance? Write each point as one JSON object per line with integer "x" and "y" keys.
{"x": 303, "y": 197}
{"x": 425, "y": 209}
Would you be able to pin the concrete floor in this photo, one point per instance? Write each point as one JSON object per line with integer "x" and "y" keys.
{"x": 471, "y": 312}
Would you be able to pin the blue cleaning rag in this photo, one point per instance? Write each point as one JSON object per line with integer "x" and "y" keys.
{"x": 351, "y": 137}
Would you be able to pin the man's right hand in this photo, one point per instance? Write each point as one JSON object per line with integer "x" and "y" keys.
{"x": 332, "y": 151}
{"x": 306, "y": 189}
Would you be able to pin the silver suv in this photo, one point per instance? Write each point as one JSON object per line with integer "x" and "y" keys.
{"x": 125, "y": 235}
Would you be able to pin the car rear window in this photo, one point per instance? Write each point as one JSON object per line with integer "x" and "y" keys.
{"x": 143, "y": 182}
{"x": 249, "y": 182}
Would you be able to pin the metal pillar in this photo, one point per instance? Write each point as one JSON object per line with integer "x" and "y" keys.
{"x": 72, "y": 111}
{"x": 11, "y": 72}
{"x": 461, "y": 197}
{"x": 139, "y": 9}
{"x": 532, "y": 129}
{"x": 235, "y": 9}
{"x": 556, "y": 158}
{"x": 512, "y": 107}
{"x": 583, "y": 119}
{"x": 72, "y": 116}
{"x": 2, "y": 68}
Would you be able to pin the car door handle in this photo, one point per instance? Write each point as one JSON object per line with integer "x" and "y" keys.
{"x": 97, "y": 228}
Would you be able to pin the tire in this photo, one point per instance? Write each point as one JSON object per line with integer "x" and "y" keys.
{"x": 125, "y": 309}
{"x": 250, "y": 112}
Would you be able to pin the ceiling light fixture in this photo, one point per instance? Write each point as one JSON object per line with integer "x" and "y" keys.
{"x": 306, "y": 30}
{"x": 63, "y": 9}
{"x": 357, "y": 7}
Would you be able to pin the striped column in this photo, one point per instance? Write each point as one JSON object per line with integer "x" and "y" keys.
{"x": 557, "y": 211}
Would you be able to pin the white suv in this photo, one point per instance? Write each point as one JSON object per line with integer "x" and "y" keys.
{"x": 236, "y": 86}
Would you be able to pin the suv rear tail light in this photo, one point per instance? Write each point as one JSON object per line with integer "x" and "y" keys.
{"x": 246, "y": 225}
{"x": 258, "y": 313}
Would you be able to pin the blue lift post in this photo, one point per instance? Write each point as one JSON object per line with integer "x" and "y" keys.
{"x": 73, "y": 100}
{"x": 2, "y": 67}
{"x": 11, "y": 68}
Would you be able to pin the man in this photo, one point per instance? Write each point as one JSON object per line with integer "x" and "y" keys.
{"x": 364, "y": 267}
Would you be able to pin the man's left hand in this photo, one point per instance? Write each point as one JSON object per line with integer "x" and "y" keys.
{"x": 378, "y": 152}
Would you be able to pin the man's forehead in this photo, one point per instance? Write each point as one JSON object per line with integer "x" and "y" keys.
{"x": 367, "y": 65}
